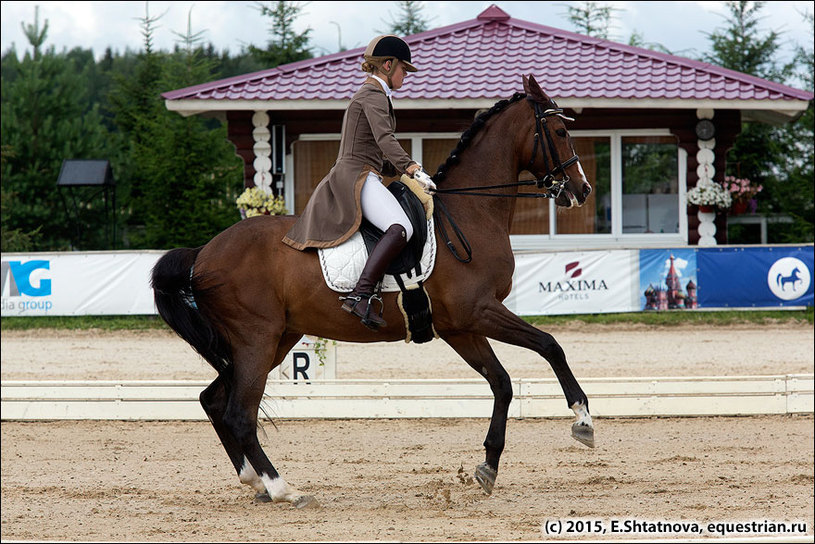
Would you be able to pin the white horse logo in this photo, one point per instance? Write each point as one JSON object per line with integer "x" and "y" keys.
{"x": 788, "y": 278}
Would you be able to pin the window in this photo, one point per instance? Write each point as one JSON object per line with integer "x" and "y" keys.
{"x": 638, "y": 183}
{"x": 650, "y": 185}
{"x": 594, "y": 217}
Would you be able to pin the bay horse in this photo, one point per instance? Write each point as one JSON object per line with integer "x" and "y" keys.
{"x": 245, "y": 299}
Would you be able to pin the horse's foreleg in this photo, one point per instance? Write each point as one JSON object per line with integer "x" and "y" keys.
{"x": 500, "y": 324}
{"x": 477, "y": 352}
{"x": 241, "y": 417}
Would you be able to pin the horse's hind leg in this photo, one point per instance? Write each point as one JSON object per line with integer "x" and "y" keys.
{"x": 239, "y": 419}
{"x": 500, "y": 324}
{"x": 213, "y": 400}
{"x": 479, "y": 355}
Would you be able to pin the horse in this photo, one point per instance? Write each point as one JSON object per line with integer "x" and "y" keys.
{"x": 244, "y": 299}
{"x": 793, "y": 278}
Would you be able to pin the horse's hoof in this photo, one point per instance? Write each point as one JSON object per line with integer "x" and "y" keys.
{"x": 263, "y": 497}
{"x": 305, "y": 501}
{"x": 583, "y": 434}
{"x": 485, "y": 476}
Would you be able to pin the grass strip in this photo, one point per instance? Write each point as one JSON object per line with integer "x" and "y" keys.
{"x": 663, "y": 318}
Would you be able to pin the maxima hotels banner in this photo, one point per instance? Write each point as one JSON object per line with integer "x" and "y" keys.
{"x": 574, "y": 283}
{"x": 118, "y": 282}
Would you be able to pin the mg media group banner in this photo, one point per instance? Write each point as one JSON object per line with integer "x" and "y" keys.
{"x": 574, "y": 283}
{"x": 88, "y": 283}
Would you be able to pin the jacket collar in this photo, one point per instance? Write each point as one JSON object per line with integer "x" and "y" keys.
{"x": 388, "y": 90}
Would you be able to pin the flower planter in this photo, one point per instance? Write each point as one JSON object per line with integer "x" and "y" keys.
{"x": 707, "y": 209}
{"x": 739, "y": 208}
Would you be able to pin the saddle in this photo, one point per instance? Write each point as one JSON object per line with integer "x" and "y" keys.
{"x": 342, "y": 265}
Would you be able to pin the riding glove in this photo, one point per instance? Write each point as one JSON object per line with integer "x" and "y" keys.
{"x": 424, "y": 179}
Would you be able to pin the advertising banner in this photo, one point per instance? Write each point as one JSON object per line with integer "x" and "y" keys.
{"x": 668, "y": 279}
{"x": 745, "y": 277}
{"x": 601, "y": 281}
{"x": 574, "y": 283}
{"x": 88, "y": 283}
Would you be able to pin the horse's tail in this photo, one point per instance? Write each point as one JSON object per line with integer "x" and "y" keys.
{"x": 177, "y": 302}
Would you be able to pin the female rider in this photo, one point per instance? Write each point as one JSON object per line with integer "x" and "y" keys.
{"x": 353, "y": 188}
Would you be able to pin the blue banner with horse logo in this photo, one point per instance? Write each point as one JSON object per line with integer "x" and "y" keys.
{"x": 745, "y": 277}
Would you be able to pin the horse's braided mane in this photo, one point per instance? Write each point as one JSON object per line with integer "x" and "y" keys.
{"x": 468, "y": 135}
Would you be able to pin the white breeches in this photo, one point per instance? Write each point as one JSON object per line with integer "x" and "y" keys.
{"x": 381, "y": 208}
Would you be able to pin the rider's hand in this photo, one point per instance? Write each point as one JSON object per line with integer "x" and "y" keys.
{"x": 424, "y": 179}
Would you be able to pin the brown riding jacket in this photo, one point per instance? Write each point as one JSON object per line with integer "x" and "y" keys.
{"x": 368, "y": 144}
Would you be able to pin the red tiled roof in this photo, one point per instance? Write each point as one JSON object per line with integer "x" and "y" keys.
{"x": 483, "y": 58}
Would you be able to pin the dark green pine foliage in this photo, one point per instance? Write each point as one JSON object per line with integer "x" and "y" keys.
{"x": 47, "y": 116}
{"x": 285, "y": 45}
{"x": 777, "y": 157}
{"x": 409, "y": 20}
{"x": 187, "y": 174}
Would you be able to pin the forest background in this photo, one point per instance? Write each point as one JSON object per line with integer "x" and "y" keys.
{"x": 177, "y": 178}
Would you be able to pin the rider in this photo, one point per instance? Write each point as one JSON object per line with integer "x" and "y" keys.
{"x": 353, "y": 189}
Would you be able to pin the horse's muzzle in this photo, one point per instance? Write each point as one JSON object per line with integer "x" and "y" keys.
{"x": 568, "y": 199}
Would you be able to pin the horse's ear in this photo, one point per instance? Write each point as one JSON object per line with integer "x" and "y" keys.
{"x": 534, "y": 90}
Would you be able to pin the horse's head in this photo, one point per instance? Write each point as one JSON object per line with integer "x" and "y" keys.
{"x": 553, "y": 160}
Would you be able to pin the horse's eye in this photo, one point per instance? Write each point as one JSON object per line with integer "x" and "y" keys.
{"x": 561, "y": 132}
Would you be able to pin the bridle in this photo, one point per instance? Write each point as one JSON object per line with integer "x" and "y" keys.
{"x": 549, "y": 181}
{"x": 553, "y": 185}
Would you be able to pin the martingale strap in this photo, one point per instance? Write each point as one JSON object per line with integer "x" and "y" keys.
{"x": 443, "y": 231}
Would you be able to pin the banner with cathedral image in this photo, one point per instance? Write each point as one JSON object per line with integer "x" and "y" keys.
{"x": 668, "y": 279}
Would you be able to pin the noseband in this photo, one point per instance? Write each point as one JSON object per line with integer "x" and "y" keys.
{"x": 549, "y": 181}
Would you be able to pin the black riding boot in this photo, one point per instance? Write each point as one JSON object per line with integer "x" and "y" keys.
{"x": 359, "y": 301}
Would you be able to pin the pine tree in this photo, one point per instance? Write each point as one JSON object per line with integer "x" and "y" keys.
{"x": 796, "y": 195}
{"x": 285, "y": 45}
{"x": 764, "y": 153}
{"x": 187, "y": 172}
{"x": 47, "y": 117}
{"x": 409, "y": 20}
{"x": 592, "y": 19}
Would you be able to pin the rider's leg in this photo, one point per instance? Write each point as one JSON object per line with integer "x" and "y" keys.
{"x": 379, "y": 207}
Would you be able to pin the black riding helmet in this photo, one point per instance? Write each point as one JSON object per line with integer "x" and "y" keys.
{"x": 387, "y": 47}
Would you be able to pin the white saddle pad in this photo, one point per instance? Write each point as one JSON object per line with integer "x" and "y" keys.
{"x": 342, "y": 265}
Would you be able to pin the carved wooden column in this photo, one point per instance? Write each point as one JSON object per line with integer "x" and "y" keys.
{"x": 263, "y": 151}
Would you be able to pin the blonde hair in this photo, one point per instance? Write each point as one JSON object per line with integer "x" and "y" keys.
{"x": 372, "y": 64}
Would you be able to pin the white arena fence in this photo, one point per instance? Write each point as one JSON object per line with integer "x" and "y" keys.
{"x": 352, "y": 399}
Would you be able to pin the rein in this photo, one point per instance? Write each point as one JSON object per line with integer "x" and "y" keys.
{"x": 554, "y": 187}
